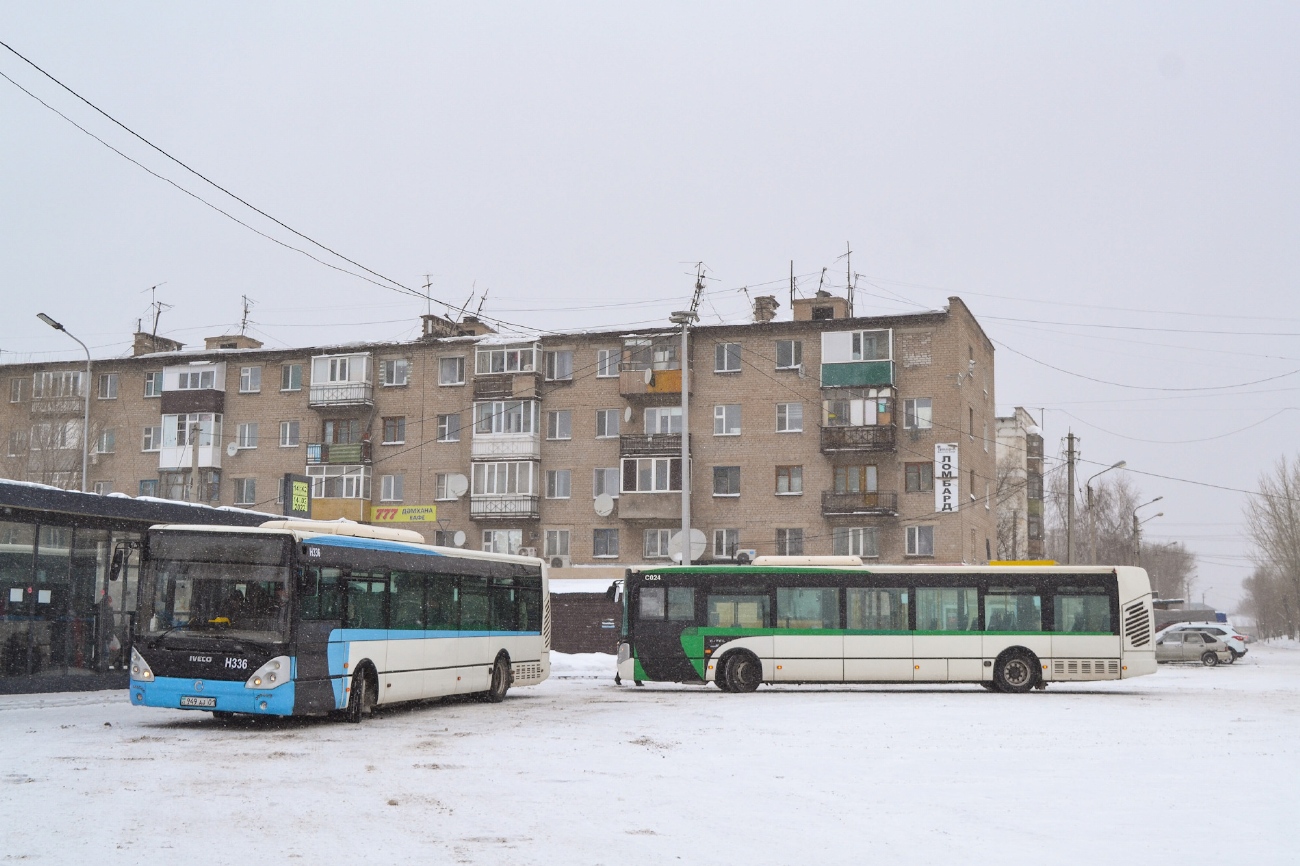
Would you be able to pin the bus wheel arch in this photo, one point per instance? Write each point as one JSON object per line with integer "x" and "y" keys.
{"x": 742, "y": 670}
{"x": 1017, "y": 670}
{"x": 363, "y": 692}
{"x": 501, "y": 678}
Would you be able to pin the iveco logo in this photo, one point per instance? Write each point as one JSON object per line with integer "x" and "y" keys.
{"x": 198, "y": 685}
{"x": 200, "y": 658}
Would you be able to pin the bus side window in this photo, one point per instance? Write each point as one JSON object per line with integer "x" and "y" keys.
{"x": 318, "y": 594}
{"x": 408, "y": 601}
{"x": 366, "y": 595}
{"x": 474, "y": 615}
{"x": 681, "y": 603}
{"x": 443, "y": 612}
{"x": 652, "y": 602}
{"x": 530, "y": 600}
{"x": 505, "y": 613}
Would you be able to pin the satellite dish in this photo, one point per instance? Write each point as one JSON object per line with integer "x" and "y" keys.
{"x": 457, "y": 485}
{"x": 698, "y": 545}
{"x": 459, "y": 538}
{"x": 627, "y": 415}
{"x": 604, "y": 505}
{"x": 649, "y": 376}
{"x": 232, "y": 449}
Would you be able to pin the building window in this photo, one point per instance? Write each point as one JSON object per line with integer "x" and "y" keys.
{"x": 789, "y": 417}
{"x": 789, "y": 542}
{"x": 870, "y": 346}
{"x": 152, "y": 439}
{"x": 789, "y": 354}
{"x": 557, "y": 543}
{"x": 651, "y": 353}
{"x": 246, "y": 435}
{"x": 508, "y": 478}
{"x": 108, "y": 386}
{"x": 726, "y": 358}
{"x": 725, "y": 542}
{"x": 245, "y": 491}
{"x": 18, "y": 388}
{"x": 395, "y": 430}
{"x": 51, "y": 385}
{"x": 665, "y": 419}
{"x": 607, "y": 363}
{"x": 726, "y": 480}
{"x": 605, "y": 483}
{"x": 442, "y": 486}
{"x": 103, "y": 488}
{"x": 516, "y": 360}
{"x": 291, "y": 377}
{"x": 394, "y": 372}
{"x": 559, "y": 483}
{"x": 289, "y": 434}
{"x": 606, "y": 423}
{"x": 726, "y": 420}
{"x": 652, "y": 474}
{"x": 656, "y": 543}
{"x": 918, "y": 414}
{"x": 604, "y": 543}
{"x": 559, "y": 424}
{"x": 250, "y": 380}
{"x": 153, "y": 384}
{"x": 197, "y": 380}
{"x": 106, "y": 443}
{"x": 559, "y": 365}
{"x": 449, "y": 428}
{"x": 789, "y": 480}
{"x": 343, "y": 431}
{"x": 920, "y": 541}
{"x": 970, "y": 427}
{"x": 854, "y": 541}
{"x": 451, "y": 371}
{"x": 149, "y": 487}
{"x": 18, "y": 443}
{"x": 855, "y": 479}
{"x": 502, "y": 540}
{"x": 390, "y": 488}
{"x": 339, "y": 482}
{"x": 918, "y": 477}
{"x": 501, "y": 417}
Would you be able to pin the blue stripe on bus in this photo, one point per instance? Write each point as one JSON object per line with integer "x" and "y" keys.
{"x": 369, "y": 544}
{"x": 232, "y": 696}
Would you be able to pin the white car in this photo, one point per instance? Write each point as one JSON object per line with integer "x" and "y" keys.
{"x": 1190, "y": 645}
{"x": 1236, "y": 642}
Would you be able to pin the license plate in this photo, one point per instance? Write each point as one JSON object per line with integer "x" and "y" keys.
{"x": 192, "y": 701}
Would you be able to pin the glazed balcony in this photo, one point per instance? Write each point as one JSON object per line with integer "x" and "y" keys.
{"x": 355, "y": 453}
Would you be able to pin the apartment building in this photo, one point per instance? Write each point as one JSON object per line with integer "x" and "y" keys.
{"x": 1019, "y": 502}
{"x": 819, "y": 434}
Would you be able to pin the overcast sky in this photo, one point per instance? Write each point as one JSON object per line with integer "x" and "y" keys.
{"x": 1112, "y": 188}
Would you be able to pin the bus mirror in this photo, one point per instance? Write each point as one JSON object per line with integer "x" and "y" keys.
{"x": 115, "y": 567}
{"x": 612, "y": 592}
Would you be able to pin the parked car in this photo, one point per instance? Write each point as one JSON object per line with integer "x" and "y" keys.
{"x": 1190, "y": 645}
{"x": 1224, "y": 632}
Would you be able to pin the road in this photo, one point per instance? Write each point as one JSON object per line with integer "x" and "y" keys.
{"x": 580, "y": 771}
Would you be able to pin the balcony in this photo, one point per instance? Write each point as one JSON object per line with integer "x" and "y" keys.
{"x": 508, "y": 386}
{"x": 651, "y": 445}
{"x": 341, "y": 394}
{"x": 355, "y": 453}
{"x": 847, "y": 504}
{"x": 651, "y": 506}
{"x": 503, "y": 508}
{"x": 857, "y": 374}
{"x": 879, "y": 437}
{"x": 665, "y": 386}
{"x": 507, "y": 446}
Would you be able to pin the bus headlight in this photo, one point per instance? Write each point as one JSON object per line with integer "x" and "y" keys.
{"x": 271, "y": 675}
{"x": 140, "y": 669}
{"x": 624, "y": 652}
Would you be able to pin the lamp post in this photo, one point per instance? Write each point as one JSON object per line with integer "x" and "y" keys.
{"x": 1092, "y": 519}
{"x": 685, "y": 318}
{"x": 1137, "y": 528}
{"x": 85, "y": 423}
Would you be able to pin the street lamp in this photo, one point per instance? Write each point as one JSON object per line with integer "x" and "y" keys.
{"x": 1092, "y": 519}
{"x": 685, "y": 319}
{"x": 85, "y": 424}
{"x": 1137, "y": 528}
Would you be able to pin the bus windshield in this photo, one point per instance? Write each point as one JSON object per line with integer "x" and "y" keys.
{"x": 210, "y": 585}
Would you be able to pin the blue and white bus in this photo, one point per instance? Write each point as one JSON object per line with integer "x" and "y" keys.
{"x": 310, "y": 618}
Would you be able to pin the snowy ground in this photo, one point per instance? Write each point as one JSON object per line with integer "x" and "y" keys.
{"x": 1201, "y": 761}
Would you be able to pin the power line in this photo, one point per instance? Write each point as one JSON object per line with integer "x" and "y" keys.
{"x": 1179, "y": 441}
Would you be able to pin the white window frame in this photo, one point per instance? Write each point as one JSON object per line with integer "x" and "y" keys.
{"x": 103, "y": 488}
{"x": 250, "y": 380}
{"x": 559, "y": 483}
{"x": 245, "y": 491}
{"x": 917, "y": 416}
{"x": 152, "y": 439}
{"x": 559, "y": 365}
{"x": 394, "y": 372}
{"x": 505, "y": 359}
{"x": 559, "y": 424}
{"x": 607, "y": 363}
{"x": 795, "y": 351}
{"x": 108, "y": 386}
{"x": 383, "y": 430}
{"x": 287, "y": 376}
{"x": 721, "y": 537}
{"x": 106, "y": 441}
{"x": 721, "y": 421}
{"x": 497, "y": 416}
{"x": 783, "y": 538}
{"x": 796, "y": 471}
{"x": 446, "y": 432}
{"x": 390, "y": 488}
{"x": 290, "y": 434}
{"x": 859, "y": 340}
{"x": 458, "y": 369}
{"x": 656, "y": 543}
{"x": 502, "y": 540}
{"x": 605, "y": 532}
{"x": 727, "y": 494}
{"x": 918, "y": 538}
{"x": 788, "y": 421}
{"x": 655, "y": 464}
{"x": 656, "y": 416}
{"x": 726, "y": 357}
{"x": 441, "y": 484}
{"x": 153, "y": 384}
{"x": 556, "y": 542}
{"x": 861, "y": 541}
{"x": 246, "y": 435}
{"x": 600, "y": 482}
{"x": 503, "y": 478}
{"x": 604, "y": 417}
{"x": 196, "y": 380}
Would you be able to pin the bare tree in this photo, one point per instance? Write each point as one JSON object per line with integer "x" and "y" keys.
{"x": 1010, "y": 485}
{"x": 1273, "y": 524}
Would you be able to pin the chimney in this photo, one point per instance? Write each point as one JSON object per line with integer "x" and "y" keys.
{"x": 765, "y": 307}
{"x": 147, "y": 344}
{"x": 436, "y": 327}
{"x": 231, "y": 341}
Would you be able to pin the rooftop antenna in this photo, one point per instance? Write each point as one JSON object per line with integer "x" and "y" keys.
{"x": 849, "y": 276}
{"x": 248, "y": 305}
{"x": 822, "y": 281}
{"x": 792, "y": 284}
{"x": 481, "y": 302}
{"x": 699, "y": 289}
{"x": 473, "y": 289}
{"x": 156, "y": 305}
{"x": 428, "y": 295}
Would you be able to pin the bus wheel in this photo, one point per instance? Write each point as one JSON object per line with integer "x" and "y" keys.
{"x": 1209, "y": 659}
{"x": 361, "y": 700}
{"x": 720, "y": 678}
{"x": 496, "y": 692}
{"x": 1016, "y": 672}
{"x": 743, "y": 672}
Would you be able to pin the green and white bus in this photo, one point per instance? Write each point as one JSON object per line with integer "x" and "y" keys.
{"x": 833, "y": 620}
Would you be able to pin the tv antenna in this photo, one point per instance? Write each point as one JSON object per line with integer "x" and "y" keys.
{"x": 156, "y": 305}
{"x": 248, "y": 306}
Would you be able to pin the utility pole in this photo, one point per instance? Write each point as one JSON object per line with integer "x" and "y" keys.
{"x": 792, "y": 284}
{"x": 243, "y": 323}
{"x": 1069, "y": 502}
{"x": 848, "y": 275}
{"x": 685, "y": 318}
